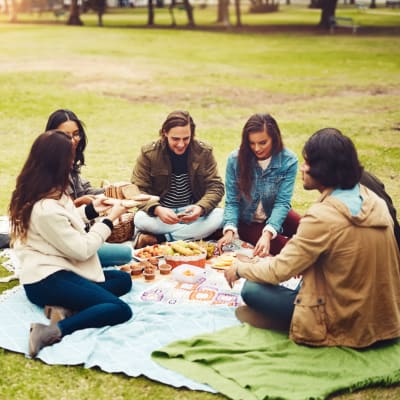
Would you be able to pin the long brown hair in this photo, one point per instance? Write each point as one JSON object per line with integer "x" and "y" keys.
{"x": 256, "y": 123}
{"x": 44, "y": 174}
{"x": 178, "y": 118}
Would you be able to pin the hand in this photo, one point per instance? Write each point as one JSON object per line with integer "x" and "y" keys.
{"x": 115, "y": 211}
{"x": 226, "y": 239}
{"x": 87, "y": 199}
{"x": 166, "y": 215}
{"x": 191, "y": 214}
{"x": 231, "y": 276}
{"x": 101, "y": 204}
{"x": 263, "y": 245}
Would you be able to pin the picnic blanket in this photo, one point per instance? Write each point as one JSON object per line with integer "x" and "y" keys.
{"x": 127, "y": 347}
{"x": 247, "y": 363}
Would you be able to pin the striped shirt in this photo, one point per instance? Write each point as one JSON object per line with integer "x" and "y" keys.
{"x": 180, "y": 192}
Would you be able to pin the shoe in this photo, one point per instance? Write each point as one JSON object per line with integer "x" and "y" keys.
{"x": 144, "y": 239}
{"x": 259, "y": 320}
{"x": 56, "y": 313}
{"x": 41, "y": 336}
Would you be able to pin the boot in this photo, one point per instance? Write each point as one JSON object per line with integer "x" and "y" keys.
{"x": 57, "y": 313}
{"x": 41, "y": 336}
{"x": 259, "y": 320}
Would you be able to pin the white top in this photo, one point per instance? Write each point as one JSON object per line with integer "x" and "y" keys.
{"x": 57, "y": 240}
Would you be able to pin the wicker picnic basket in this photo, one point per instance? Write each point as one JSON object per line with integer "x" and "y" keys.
{"x": 123, "y": 227}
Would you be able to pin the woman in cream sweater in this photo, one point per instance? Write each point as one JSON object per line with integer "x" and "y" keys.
{"x": 59, "y": 262}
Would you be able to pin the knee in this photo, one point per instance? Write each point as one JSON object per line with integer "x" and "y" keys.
{"x": 126, "y": 282}
{"x": 126, "y": 254}
{"x": 126, "y": 312}
{"x": 250, "y": 292}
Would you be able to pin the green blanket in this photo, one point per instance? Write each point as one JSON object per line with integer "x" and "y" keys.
{"x": 243, "y": 362}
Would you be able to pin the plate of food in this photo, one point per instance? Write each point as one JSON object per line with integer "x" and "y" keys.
{"x": 149, "y": 252}
{"x": 224, "y": 261}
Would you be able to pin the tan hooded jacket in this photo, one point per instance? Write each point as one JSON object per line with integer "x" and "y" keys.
{"x": 350, "y": 295}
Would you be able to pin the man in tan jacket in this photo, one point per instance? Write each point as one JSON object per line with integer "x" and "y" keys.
{"x": 346, "y": 252}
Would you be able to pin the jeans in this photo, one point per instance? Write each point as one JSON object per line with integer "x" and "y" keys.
{"x": 199, "y": 229}
{"x": 97, "y": 303}
{"x": 274, "y": 301}
{"x": 111, "y": 254}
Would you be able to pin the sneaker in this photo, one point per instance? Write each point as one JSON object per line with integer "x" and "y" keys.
{"x": 259, "y": 320}
{"x": 144, "y": 239}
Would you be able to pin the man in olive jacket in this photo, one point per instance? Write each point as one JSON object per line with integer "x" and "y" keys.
{"x": 344, "y": 248}
{"x": 182, "y": 172}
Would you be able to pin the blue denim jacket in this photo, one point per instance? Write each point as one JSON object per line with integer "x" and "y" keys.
{"x": 274, "y": 186}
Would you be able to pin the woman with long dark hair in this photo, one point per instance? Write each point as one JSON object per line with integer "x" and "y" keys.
{"x": 60, "y": 268}
{"x": 259, "y": 184}
{"x": 79, "y": 188}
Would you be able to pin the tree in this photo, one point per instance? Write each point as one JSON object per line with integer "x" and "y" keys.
{"x": 328, "y": 10}
{"x": 74, "y": 14}
{"x": 150, "y": 12}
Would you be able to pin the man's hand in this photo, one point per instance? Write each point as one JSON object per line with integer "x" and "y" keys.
{"x": 231, "y": 276}
{"x": 191, "y": 214}
{"x": 166, "y": 215}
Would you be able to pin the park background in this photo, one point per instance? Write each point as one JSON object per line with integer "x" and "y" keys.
{"x": 122, "y": 80}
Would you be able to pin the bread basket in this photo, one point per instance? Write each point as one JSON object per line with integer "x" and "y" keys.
{"x": 123, "y": 228}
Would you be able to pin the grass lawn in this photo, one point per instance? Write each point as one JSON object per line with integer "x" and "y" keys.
{"x": 123, "y": 82}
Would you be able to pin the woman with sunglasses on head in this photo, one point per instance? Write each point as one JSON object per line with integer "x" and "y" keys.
{"x": 58, "y": 257}
{"x": 79, "y": 188}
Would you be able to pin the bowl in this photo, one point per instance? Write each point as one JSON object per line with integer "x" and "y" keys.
{"x": 165, "y": 269}
{"x": 188, "y": 273}
{"x": 198, "y": 260}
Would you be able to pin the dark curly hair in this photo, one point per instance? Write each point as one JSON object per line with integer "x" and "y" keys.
{"x": 333, "y": 159}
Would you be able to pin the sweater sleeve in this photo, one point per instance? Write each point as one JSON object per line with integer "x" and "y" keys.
{"x": 58, "y": 230}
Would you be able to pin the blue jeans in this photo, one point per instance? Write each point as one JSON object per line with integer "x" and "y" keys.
{"x": 199, "y": 229}
{"x": 111, "y": 254}
{"x": 274, "y": 301}
{"x": 97, "y": 303}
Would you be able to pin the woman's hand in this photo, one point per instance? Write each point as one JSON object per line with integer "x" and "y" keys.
{"x": 87, "y": 199}
{"x": 263, "y": 245}
{"x": 115, "y": 211}
{"x": 226, "y": 239}
{"x": 101, "y": 204}
{"x": 231, "y": 276}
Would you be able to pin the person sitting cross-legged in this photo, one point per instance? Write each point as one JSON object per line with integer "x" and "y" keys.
{"x": 182, "y": 172}
{"x": 346, "y": 251}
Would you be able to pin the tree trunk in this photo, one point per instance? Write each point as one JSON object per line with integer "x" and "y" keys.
{"x": 6, "y": 10}
{"x": 150, "y": 9}
{"x": 373, "y": 4}
{"x": 220, "y": 11}
{"x": 238, "y": 16}
{"x": 13, "y": 12}
{"x": 328, "y": 11}
{"x": 74, "y": 17}
{"x": 189, "y": 12}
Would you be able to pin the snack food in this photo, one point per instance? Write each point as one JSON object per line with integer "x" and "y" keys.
{"x": 147, "y": 252}
{"x": 223, "y": 261}
{"x": 165, "y": 269}
{"x": 149, "y": 272}
{"x": 180, "y": 252}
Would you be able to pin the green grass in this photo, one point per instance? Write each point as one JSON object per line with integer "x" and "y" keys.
{"x": 123, "y": 82}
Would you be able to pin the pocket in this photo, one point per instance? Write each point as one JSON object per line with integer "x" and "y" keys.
{"x": 309, "y": 319}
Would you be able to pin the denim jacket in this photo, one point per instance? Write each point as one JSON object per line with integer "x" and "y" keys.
{"x": 274, "y": 187}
